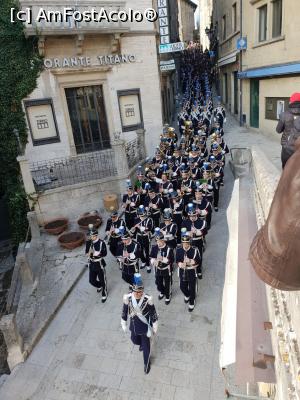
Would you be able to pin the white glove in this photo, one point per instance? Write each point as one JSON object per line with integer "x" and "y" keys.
{"x": 225, "y": 119}
{"x": 165, "y": 260}
{"x": 132, "y": 204}
{"x": 153, "y": 261}
{"x": 123, "y": 325}
{"x": 155, "y": 327}
{"x": 132, "y": 256}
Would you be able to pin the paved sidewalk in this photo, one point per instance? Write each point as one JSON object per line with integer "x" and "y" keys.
{"x": 84, "y": 354}
{"x": 237, "y": 136}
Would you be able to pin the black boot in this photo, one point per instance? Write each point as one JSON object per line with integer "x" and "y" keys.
{"x": 147, "y": 368}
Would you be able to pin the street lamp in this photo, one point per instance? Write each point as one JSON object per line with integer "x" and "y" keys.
{"x": 209, "y": 32}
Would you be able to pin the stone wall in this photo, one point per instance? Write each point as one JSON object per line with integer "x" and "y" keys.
{"x": 283, "y": 306}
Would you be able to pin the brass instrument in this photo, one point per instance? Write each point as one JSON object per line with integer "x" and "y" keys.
{"x": 187, "y": 123}
{"x": 171, "y": 133}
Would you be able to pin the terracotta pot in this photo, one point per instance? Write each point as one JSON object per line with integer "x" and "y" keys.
{"x": 85, "y": 220}
{"x": 70, "y": 240}
{"x": 56, "y": 226}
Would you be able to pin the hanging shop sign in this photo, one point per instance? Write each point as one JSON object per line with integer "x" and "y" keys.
{"x": 168, "y": 65}
{"x": 163, "y": 21}
{"x": 71, "y": 62}
{"x": 171, "y": 47}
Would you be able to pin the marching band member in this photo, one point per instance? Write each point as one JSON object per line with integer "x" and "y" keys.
{"x": 142, "y": 229}
{"x": 130, "y": 203}
{"x": 128, "y": 254}
{"x": 141, "y": 185}
{"x": 186, "y": 185}
{"x": 202, "y": 206}
{"x": 162, "y": 258}
{"x": 96, "y": 251}
{"x": 154, "y": 205}
{"x": 196, "y": 228}
{"x": 165, "y": 186}
{"x": 218, "y": 174}
{"x": 115, "y": 227}
{"x": 177, "y": 207}
{"x": 188, "y": 258}
{"x": 168, "y": 228}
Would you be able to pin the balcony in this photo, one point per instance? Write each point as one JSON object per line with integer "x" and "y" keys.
{"x": 54, "y": 17}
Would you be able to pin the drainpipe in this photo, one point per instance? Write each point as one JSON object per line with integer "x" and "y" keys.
{"x": 241, "y": 64}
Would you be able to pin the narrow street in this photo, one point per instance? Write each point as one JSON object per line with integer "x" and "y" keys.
{"x": 85, "y": 355}
{"x": 120, "y": 145}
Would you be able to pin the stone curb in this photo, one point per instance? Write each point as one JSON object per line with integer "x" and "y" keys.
{"x": 28, "y": 347}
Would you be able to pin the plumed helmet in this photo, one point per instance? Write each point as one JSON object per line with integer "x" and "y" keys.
{"x": 138, "y": 283}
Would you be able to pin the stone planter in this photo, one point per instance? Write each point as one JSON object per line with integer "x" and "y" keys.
{"x": 56, "y": 226}
{"x": 70, "y": 240}
{"x": 85, "y": 220}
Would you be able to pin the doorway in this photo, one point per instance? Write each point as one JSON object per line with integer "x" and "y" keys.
{"x": 254, "y": 103}
{"x": 88, "y": 118}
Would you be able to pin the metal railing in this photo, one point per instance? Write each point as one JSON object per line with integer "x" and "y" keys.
{"x": 58, "y": 172}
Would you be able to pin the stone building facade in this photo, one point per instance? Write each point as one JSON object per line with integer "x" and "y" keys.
{"x": 85, "y": 62}
{"x": 96, "y": 112}
{"x": 186, "y": 20}
{"x": 179, "y": 23}
{"x": 226, "y": 22}
{"x": 271, "y": 63}
{"x": 205, "y": 11}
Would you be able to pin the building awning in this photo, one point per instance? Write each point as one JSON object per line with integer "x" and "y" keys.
{"x": 282, "y": 69}
{"x": 229, "y": 59}
{"x": 245, "y": 338}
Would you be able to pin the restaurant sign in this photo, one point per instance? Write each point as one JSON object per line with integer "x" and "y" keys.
{"x": 71, "y": 62}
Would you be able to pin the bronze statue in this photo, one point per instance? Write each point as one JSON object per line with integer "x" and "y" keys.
{"x": 275, "y": 250}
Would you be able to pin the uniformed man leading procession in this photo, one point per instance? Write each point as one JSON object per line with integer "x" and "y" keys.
{"x": 169, "y": 209}
{"x": 140, "y": 309}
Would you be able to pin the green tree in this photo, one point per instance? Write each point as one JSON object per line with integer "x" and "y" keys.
{"x": 20, "y": 65}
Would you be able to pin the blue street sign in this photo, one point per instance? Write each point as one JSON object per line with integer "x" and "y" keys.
{"x": 241, "y": 43}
